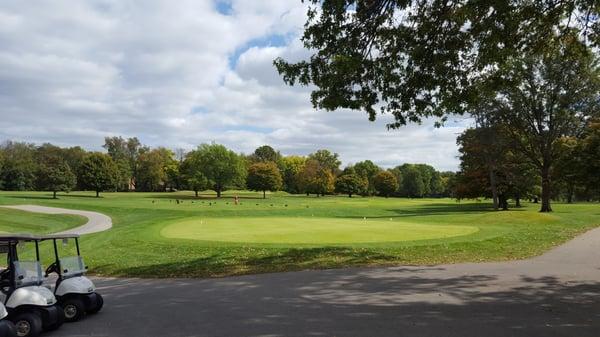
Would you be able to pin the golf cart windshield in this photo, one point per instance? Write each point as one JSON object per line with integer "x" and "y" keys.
{"x": 27, "y": 273}
{"x": 72, "y": 266}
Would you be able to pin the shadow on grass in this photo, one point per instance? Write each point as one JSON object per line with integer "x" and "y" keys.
{"x": 31, "y": 197}
{"x": 261, "y": 261}
{"x": 201, "y": 197}
{"x": 439, "y": 209}
{"x": 91, "y": 196}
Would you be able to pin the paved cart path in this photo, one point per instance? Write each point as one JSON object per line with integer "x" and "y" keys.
{"x": 97, "y": 222}
{"x": 556, "y": 294}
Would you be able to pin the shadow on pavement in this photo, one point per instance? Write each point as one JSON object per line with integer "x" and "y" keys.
{"x": 379, "y": 302}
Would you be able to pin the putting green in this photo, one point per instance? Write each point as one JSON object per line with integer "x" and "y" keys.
{"x": 291, "y": 230}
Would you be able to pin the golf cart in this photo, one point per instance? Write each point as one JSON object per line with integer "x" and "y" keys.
{"x": 7, "y": 328}
{"x": 75, "y": 292}
{"x": 31, "y": 307}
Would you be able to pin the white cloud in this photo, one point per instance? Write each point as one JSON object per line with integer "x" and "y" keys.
{"x": 179, "y": 74}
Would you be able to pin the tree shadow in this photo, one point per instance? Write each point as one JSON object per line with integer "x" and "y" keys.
{"x": 81, "y": 196}
{"x": 438, "y": 209}
{"x": 405, "y": 301}
{"x": 202, "y": 197}
{"x": 31, "y": 197}
{"x": 267, "y": 260}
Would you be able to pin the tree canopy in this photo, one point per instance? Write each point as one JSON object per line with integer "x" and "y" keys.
{"x": 98, "y": 172}
{"x": 367, "y": 169}
{"x": 530, "y": 65}
{"x": 385, "y": 183}
{"x": 266, "y": 153}
{"x": 351, "y": 184}
{"x": 264, "y": 177}
{"x": 416, "y": 59}
{"x": 55, "y": 175}
{"x": 222, "y": 167}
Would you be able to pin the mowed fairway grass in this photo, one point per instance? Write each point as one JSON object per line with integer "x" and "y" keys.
{"x": 12, "y": 220}
{"x": 178, "y": 235}
{"x": 301, "y": 230}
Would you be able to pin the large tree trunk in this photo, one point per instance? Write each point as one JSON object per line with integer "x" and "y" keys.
{"x": 218, "y": 192}
{"x": 264, "y": 194}
{"x": 518, "y": 200}
{"x": 196, "y": 192}
{"x": 97, "y": 194}
{"x": 546, "y": 192}
{"x": 54, "y": 194}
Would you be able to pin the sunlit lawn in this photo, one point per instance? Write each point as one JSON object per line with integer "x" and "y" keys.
{"x": 154, "y": 235}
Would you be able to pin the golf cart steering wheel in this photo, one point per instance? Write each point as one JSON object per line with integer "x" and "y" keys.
{"x": 52, "y": 268}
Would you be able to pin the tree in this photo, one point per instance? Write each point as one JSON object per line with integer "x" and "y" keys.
{"x": 368, "y": 170}
{"x": 1, "y": 165}
{"x": 508, "y": 174}
{"x": 98, "y": 173}
{"x": 291, "y": 166}
{"x": 19, "y": 166}
{"x": 418, "y": 59}
{"x": 385, "y": 183}
{"x": 124, "y": 174}
{"x": 448, "y": 183}
{"x": 433, "y": 58}
{"x": 222, "y": 167}
{"x": 74, "y": 156}
{"x": 351, "y": 184}
{"x": 54, "y": 176}
{"x": 197, "y": 182}
{"x": 568, "y": 173}
{"x": 397, "y": 172}
{"x": 590, "y": 150}
{"x": 192, "y": 174}
{"x": 264, "y": 177}
{"x": 266, "y": 153}
{"x": 412, "y": 182}
{"x": 154, "y": 167}
{"x": 125, "y": 151}
{"x": 326, "y": 160}
{"x": 545, "y": 97}
{"x": 479, "y": 152}
{"x": 315, "y": 178}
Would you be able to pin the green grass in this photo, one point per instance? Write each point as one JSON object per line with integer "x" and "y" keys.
{"x": 307, "y": 231}
{"x": 154, "y": 236}
{"x": 16, "y": 221}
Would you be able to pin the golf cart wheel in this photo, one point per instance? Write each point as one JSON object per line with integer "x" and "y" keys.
{"x": 74, "y": 309}
{"x": 7, "y": 328}
{"x": 28, "y": 324}
{"x": 60, "y": 319}
{"x": 99, "y": 304}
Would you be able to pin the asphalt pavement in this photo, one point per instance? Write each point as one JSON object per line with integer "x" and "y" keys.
{"x": 556, "y": 294}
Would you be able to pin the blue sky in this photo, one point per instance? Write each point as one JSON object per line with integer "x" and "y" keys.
{"x": 179, "y": 74}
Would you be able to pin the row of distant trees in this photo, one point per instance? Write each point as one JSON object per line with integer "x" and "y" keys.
{"x": 128, "y": 165}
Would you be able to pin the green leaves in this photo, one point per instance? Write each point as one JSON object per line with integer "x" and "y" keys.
{"x": 264, "y": 176}
{"x": 427, "y": 58}
{"x": 223, "y": 168}
{"x": 98, "y": 172}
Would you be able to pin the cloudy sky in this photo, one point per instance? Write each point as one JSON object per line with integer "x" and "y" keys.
{"x": 181, "y": 73}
